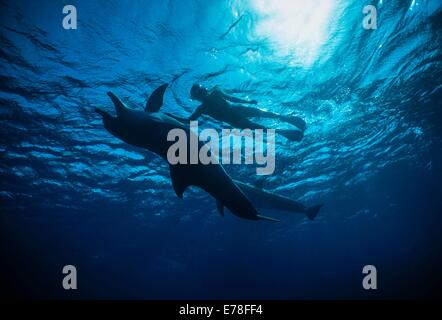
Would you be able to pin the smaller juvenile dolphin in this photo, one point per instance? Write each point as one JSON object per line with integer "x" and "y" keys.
{"x": 265, "y": 199}
{"x": 149, "y": 130}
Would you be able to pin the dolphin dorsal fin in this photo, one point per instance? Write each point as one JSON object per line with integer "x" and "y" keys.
{"x": 119, "y": 106}
{"x": 179, "y": 181}
{"x": 156, "y": 99}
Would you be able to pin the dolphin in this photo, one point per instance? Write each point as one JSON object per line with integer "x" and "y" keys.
{"x": 149, "y": 129}
{"x": 265, "y": 199}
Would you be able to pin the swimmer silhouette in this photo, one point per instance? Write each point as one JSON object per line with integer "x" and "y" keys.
{"x": 232, "y": 110}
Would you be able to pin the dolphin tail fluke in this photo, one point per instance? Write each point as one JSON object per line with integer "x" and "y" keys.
{"x": 312, "y": 212}
{"x": 267, "y": 218}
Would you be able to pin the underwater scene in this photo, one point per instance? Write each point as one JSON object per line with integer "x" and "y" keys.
{"x": 89, "y": 90}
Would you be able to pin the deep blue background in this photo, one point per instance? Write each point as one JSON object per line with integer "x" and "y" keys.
{"x": 72, "y": 194}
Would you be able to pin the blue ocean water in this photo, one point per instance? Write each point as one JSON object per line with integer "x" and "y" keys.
{"x": 71, "y": 193}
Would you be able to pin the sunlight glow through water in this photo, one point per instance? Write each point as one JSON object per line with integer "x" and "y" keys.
{"x": 295, "y": 27}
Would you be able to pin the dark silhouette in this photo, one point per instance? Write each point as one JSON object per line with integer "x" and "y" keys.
{"x": 233, "y": 111}
{"x": 264, "y": 199}
{"x": 149, "y": 130}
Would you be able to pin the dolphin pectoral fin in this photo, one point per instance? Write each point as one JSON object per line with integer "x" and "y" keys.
{"x": 267, "y": 218}
{"x": 220, "y": 207}
{"x": 313, "y": 211}
{"x": 156, "y": 99}
{"x": 179, "y": 181}
{"x": 119, "y": 106}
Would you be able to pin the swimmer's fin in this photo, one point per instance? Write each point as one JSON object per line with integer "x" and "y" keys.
{"x": 156, "y": 99}
{"x": 294, "y": 135}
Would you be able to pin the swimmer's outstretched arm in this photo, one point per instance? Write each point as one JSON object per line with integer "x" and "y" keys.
{"x": 197, "y": 113}
{"x": 238, "y": 100}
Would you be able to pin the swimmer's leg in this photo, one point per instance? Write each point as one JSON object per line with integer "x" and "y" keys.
{"x": 244, "y": 123}
{"x": 254, "y": 112}
{"x": 294, "y": 135}
{"x": 249, "y": 112}
{"x": 296, "y": 121}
